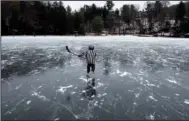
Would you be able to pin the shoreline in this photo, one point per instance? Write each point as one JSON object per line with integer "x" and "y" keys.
{"x": 102, "y": 35}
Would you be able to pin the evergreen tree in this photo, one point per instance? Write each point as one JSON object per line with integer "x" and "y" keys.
{"x": 97, "y": 24}
{"x": 109, "y": 5}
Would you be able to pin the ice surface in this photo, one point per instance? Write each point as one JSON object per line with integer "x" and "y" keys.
{"x": 135, "y": 78}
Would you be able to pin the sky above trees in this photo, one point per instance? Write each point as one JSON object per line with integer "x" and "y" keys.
{"x": 76, "y": 5}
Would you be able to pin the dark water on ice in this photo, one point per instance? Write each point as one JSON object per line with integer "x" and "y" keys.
{"x": 135, "y": 78}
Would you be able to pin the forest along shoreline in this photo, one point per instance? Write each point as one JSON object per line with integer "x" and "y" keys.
{"x": 92, "y": 34}
{"x": 158, "y": 18}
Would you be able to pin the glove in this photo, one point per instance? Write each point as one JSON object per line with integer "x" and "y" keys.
{"x": 81, "y": 55}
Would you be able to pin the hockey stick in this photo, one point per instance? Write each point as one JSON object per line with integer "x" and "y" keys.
{"x": 70, "y": 51}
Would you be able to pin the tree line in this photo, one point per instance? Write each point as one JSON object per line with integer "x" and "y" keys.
{"x": 53, "y": 18}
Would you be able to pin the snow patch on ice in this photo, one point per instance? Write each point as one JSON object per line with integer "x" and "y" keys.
{"x": 101, "y": 95}
{"x": 3, "y": 62}
{"x": 141, "y": 73}
{"x": 149, "y": 84}
{"x": 137, "y": 95}
{"x": 73, "y": 93}
{"x": 104, "y": 94}
{"x": 28, "y": 102}
{"x": 17, "y": 87}
{"x": 84, "y": 79}
{"x": 118, "y": 72}
{"x": 62, "y": 89}
{"x": 8, "y": 112}
{"x": 171, "y": 81}
{"x": 150, "y": 117}
{"x": 56, "y": 119}
{"x": 152, "y": 98}
{"x": 93, "y": 96}
{"x": 83, "y": 91}
{"x": 125, "y": 74}
{"x": 186, "y": 101}
{"x": 134, "y": 103}
{"x": 177, "y": 94}
{"x": 39, "y": 87}
{"x": 99, "y": 85}
{"x": 40, "y": 96}
{"x": 130, "y": 90}
{"x": 96, "y": 103}
{"x": 165, "y": 97}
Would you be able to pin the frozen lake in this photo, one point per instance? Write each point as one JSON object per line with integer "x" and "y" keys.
{"x": 135, "y": 78}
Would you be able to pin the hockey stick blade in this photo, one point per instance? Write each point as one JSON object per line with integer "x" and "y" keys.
{"x": 68, "y": 49}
